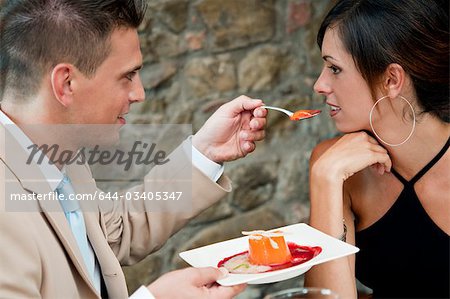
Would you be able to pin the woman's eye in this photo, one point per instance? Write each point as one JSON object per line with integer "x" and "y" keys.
{"x": 334, "y": 69}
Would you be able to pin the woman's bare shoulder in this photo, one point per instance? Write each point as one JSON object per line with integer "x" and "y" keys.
{"x": 322, "y": 147}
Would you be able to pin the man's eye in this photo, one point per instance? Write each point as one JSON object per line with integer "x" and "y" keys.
{"x": 335, "y": 70}
{"x": 131, "y": 75}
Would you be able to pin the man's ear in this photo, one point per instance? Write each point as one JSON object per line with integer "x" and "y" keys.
{"x": 61, "y": 77}
{"x": 394, "y": 80}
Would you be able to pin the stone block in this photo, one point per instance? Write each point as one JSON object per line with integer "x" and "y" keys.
{"x": 255, "y": 184}
{"x": 209, "y": 74}
{"x": 234, "y": 23}
{"x": 299, "y": 14}
{"x": 155, "y": 74}
{"x": 259, "y": 70}
{"x": 174, "y": 14}
{"x": 195, "y": 40}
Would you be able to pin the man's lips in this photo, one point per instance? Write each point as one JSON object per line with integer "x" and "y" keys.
{"x": 122, "y": 115}
{"x": 121, "y": 118}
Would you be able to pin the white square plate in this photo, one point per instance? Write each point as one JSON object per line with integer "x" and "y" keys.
{"x": 301, "y": 234}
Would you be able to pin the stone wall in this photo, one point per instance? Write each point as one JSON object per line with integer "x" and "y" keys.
{"x": 201, "y": 54}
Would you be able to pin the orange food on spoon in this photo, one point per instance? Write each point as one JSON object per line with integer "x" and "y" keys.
{"x": 303, "y": 114}
{"x": 268, "y": 249}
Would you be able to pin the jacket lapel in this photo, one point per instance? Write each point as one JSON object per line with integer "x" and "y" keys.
{"x": 61, "y": 227}
{"x": 33, "y": 180}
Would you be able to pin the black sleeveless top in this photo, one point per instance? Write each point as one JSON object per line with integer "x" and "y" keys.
{"x": 405, "y": 254}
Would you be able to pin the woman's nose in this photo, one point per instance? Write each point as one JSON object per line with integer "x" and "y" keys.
{"x": 322, "y": 85}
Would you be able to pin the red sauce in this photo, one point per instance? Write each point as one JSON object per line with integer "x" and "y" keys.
{"x": 300, "y": 254}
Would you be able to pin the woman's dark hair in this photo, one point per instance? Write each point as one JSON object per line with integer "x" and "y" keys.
{"x": 411, "y": 33}
{"x": 35, "y": 35}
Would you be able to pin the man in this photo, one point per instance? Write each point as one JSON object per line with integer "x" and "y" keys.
{"x": 77, "y": 62}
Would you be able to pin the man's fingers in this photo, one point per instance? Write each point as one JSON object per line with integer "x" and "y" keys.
{"x": 250, "y": 104}
{"x": 227, "y": 292}
{"x": 260, "y": 112}
{"x": 258, "y": 123}
{"x": 208, "y": 275}
{"x": 247, "y": 147}
{"x": 247, "y": 135}
{"x": 244, "y": 103}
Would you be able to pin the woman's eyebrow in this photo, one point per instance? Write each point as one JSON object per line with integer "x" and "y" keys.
{"x": 328, "y": 57}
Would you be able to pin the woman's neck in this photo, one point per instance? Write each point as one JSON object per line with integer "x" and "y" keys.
{"x": 429, "y": 136}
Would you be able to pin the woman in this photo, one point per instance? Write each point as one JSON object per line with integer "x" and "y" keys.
{"x": 386, "y": 80}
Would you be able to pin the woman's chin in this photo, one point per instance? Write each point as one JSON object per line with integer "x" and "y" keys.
{"x": 349, "y": 127}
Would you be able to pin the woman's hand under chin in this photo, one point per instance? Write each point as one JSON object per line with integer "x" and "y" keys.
{"x": 351, "y": 153}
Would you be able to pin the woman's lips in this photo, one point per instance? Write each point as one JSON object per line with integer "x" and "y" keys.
{"x": 334, "y": 109}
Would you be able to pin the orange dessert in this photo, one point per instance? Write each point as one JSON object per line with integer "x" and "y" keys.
{"x": 303, "y": 114}
{"x": 267, "y": 248}
{"x": 268, "y": 251}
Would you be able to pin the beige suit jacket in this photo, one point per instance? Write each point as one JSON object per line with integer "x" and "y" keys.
{"x": 39, "y": 257}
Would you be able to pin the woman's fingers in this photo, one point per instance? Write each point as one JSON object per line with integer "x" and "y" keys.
{"x": 382, "y": 162}
{"x": 354, "y": 152}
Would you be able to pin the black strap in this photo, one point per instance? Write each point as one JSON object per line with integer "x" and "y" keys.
{"x": 425, "y": 169}
{"x": 399, "y": 177}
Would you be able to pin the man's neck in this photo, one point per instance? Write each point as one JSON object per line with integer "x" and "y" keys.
{"x": 41, "y": 134}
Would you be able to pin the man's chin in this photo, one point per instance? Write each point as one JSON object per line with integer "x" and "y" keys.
{"x": 101, "y": 135}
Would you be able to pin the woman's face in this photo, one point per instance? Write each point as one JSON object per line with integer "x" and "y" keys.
{"x": 347, "y": 93}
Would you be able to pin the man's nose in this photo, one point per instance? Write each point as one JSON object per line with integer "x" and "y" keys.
{"x": 138, "y": 93}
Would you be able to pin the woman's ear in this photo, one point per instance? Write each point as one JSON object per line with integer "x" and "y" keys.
{"x": 394, "y": 80}
{"x": 61, "y": 77}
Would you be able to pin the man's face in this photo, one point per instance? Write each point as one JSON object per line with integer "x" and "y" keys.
{"x": 106, "y": 97}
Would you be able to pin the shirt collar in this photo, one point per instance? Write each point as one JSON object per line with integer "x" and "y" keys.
{"x": 50, "y": 171}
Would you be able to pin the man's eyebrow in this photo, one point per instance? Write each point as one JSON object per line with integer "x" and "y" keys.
{"x": 136, "y": 68}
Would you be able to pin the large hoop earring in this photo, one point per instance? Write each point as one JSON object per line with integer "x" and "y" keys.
{"x": 378, "y": 136}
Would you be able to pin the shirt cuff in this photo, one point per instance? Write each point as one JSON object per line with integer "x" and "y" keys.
{"x": 142, "y": 293}
{"x": 210, "y": 168}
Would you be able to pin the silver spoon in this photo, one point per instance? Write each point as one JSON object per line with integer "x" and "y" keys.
{"x": 297, "y": 115}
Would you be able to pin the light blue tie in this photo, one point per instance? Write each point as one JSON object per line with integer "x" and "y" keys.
{"x": 76, "y": 222}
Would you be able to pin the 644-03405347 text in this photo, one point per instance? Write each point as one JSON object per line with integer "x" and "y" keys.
{"x": 100, "y": 195}
{"x": 138, "y": 195}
